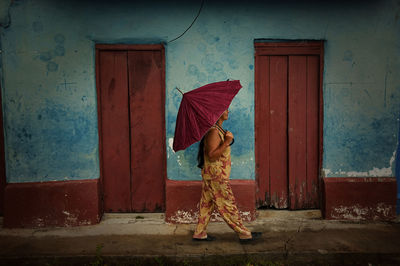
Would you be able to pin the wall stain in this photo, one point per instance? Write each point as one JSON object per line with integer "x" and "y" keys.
{"x": 201, "y": 77}
{"x": 192, "y": 70}
{"x": 59, "y": 50}
{"x": 348, "y": 56}
{"x": 201, "y": 47}
{"x": 45, "y": 56}
{"x": 52, "y": 67}
{"x": 208, "y": 63}
{"x": 233, "y": 63}
{"x": 37, "y": 26}
{"x": 218, "y": 66}
{"x": 59, "y": 38}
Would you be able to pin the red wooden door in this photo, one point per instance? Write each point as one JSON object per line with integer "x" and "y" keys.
{"x": 131, "y": 110}
{"x": 287, "y": 121}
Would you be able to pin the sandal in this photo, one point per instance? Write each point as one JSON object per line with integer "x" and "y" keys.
{"x": 254, "y": 236}
{"x": 208, "y": 238}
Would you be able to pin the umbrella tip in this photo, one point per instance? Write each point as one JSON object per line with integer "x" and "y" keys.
{"x": 179, "y": 90}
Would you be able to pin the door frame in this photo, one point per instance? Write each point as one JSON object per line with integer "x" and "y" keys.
{"x": 3, "y": 178}
{"x": 287, "y": 48}
{"x": 127, "y": 47}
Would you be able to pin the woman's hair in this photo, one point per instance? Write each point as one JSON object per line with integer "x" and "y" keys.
{"x": 200, "y": 154}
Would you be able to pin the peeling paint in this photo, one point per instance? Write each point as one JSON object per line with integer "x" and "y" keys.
{"x": 39, "y": 221}
{"x": 351, "y": 213}
{"x": 383, "y": 210}
{"x": 184, "y": 217}
{"x": 72, "y": 220}
{"x": 278, "y": 201}
{"x": 358, "y": 212}
{"x": 375, "y": 172}
{"x": 191, "y": 217}
{"x": 171, "y": 143}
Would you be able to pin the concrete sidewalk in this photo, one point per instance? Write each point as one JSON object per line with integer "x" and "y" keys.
{"x": 297, "y": 237}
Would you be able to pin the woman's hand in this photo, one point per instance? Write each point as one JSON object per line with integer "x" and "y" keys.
{"x": 228, "y": 138}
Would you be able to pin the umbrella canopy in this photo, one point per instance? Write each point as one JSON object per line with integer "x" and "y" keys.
{"x": 200, "y": 109}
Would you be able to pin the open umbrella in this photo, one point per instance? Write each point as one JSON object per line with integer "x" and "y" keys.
{"x": 200, "y": 109}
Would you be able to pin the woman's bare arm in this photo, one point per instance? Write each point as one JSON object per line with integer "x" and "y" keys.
{"x": 214, "y": 146}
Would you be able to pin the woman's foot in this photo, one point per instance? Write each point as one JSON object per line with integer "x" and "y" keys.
{"x": 208, "y": 238}
{"x": 254, "y": 236}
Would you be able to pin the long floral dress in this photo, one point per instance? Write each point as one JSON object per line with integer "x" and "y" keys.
{"x": 217, "y": 193}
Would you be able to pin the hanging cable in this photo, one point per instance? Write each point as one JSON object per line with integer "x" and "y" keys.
{"x": 202, "y": 3}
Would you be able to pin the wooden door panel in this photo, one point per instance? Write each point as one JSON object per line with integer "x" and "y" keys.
{"x": 311, "y": 200}
{"x": 262, "y": 129}
{"x": 297, "y": 130}
{"x": 278, "y": 183}
{"x": 115, "y": 130}
{"x": 147, "y": 130}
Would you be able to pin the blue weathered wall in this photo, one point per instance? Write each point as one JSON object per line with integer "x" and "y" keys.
{"x": 49, "y": 94}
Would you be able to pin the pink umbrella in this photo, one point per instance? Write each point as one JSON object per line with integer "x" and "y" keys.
{"x": 200, "y": 109}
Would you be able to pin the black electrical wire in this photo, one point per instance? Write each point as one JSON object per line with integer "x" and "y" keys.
{"x": 202, "y": 3}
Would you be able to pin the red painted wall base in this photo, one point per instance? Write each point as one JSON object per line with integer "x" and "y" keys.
{"x": 183, "y": 197}
{"x": 360, "y": 198}
{"x": 75, "y": 203}
{"x": 65, "y": 203}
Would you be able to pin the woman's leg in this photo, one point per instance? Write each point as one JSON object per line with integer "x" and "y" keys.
{"x": 206, "y": 209}
{"x": 226, "y": 206}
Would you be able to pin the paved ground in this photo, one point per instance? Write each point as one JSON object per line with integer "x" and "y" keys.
{"x": 289, "y": 238}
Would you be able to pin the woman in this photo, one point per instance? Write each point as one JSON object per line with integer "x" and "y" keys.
{"x": 215, "y": 162}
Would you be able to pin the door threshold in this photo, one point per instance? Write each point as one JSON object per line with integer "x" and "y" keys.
{"x": 289, "y": 214}
{"x": 132, "y": 217}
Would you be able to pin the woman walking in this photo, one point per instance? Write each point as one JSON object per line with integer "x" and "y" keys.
{"x": 215, "y": 162}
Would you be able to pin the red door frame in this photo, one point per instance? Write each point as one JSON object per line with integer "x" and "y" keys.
{"x": 286, "y": 49}
{"x": 127, "y": 47}
{"x": 3, "y": 180}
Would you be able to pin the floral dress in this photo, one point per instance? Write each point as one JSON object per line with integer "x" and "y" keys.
{"x": 217, "y": 194}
